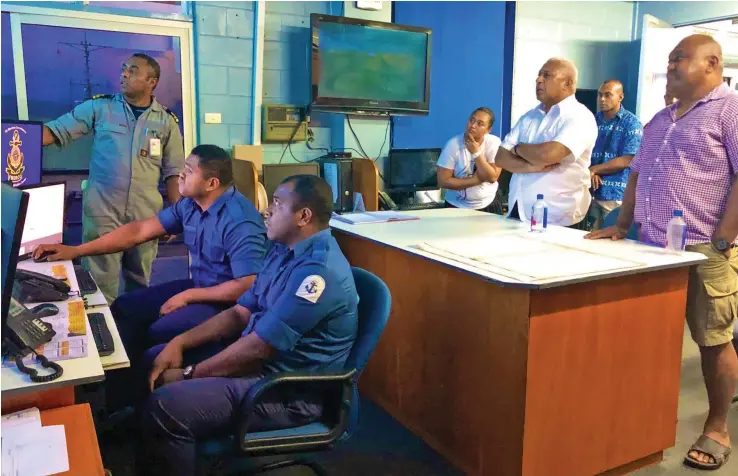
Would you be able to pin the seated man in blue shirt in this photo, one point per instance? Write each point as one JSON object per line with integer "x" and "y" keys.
{"x": 618, "y": 139}
{"x": 300, "y": 314}
{"x": 226, "y": 239}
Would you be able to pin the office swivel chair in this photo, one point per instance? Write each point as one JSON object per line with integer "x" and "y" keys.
{"x": 236, "y": 453}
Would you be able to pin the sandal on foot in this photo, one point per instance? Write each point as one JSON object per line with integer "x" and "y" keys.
{"x": 708, "y": 447}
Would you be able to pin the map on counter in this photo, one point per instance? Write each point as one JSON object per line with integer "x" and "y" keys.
{"x": 525, "y": 256}
{"x": 70, "y": 341}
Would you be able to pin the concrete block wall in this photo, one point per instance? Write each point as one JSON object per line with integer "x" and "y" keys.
{"x": 286, "y": 71}
{"x": 224, "y": 50}
{"x": 596, "y": 36}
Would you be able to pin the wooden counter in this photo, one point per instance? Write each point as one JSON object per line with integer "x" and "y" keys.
{"x": 571, "y": 376}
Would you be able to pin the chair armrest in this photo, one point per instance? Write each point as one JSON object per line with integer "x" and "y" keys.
{"x": 256, "y": 393}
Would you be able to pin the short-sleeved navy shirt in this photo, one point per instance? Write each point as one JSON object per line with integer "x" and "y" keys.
{"x": 304, "y": 304}
{"x": 226, "y": 241}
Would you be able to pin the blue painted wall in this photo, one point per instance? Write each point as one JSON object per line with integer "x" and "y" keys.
{"x": 286, "y": 67}
{"x": 224, "y": 53}
{"x": 681, "y": 13}
{"x": 467, "y": 68}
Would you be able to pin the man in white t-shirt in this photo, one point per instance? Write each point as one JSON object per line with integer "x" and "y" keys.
{"x": 466, "y": 167}
{"x": 549, "y": 149}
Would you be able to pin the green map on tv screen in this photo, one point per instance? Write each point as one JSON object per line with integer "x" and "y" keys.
{"x": 358, "y": 62}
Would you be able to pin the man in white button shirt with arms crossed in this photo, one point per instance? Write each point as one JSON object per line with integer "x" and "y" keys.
{"x": 549, "y": 149}
{"x": 466, "y": 166}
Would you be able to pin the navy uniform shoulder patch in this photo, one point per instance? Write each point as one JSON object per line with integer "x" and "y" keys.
{"x": 311, "y": 288}
{"x": 103, "y": 96}
{"x": 174, "y": 116}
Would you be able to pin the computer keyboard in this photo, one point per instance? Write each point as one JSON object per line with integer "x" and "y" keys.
{"x": 86, "y": 283}
{"x": 419, "y": 206}
{"x": 101, "y": 333}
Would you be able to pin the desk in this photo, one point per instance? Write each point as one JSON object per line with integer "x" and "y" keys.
{"x": 76, "y": 372}
{"x": 82, "y": 448}
{"x": 119, "y": 358}
{"x": 569, "y": 376}
{"x": 93, "y": 303}
{"x": 19, "y": 392}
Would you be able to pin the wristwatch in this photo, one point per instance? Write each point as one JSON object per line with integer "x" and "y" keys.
{"x": 721, "y": 245}
{"x": 188, "y": 372}
{"x": 476, "y": 154}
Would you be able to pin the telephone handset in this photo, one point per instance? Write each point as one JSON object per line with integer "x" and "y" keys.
{"x": 36, "y": 287}
{"x": 29, "y": 332}
{"x": 26, "y": 333}
{"x": 385, "y": 202}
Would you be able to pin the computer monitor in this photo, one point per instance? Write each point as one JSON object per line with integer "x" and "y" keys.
{"x": 275, "y": 173}
{"x": 413, "y": 169}
{"x": 22, "y": 152}
{"x": 14, "y": 206}
{"x": 45, "y": 216}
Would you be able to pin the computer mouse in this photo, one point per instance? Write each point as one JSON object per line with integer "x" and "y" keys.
{"x": 42, "y": 257}
{"x": 45, "y": 310}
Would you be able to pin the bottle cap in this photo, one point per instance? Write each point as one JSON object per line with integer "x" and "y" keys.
{"x": 540, "y": 196}
{"x": 678, "y": 213}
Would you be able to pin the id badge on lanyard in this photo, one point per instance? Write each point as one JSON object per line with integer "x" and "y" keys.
{"x": 154, "y": 144}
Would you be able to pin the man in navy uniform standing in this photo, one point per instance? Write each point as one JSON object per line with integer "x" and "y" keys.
{"x": 136, "y": 143}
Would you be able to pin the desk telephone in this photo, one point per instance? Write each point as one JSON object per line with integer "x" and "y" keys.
{"x": 36, "y": 287}
{"x": 28, "y": 332}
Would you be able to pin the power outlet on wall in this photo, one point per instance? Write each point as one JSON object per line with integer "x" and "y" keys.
{"x": 373, "y": 5}
{"x": 213, "y": 118}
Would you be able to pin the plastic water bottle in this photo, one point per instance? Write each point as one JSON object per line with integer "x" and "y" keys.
{"x": 676, "y": 232}
{"x": 539, "y": 215}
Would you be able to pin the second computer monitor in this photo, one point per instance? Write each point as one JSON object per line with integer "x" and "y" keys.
{"x": 45, "y": 216}
{"x": 413, "y": 169}
{"x": 22, "y": 152}
{"x": 14, "y": 205}
{"x": 275, "y": 173}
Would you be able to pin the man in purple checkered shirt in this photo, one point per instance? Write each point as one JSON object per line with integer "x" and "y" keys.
{"x": 688, "y": 161}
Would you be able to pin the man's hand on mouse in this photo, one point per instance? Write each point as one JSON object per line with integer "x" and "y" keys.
{"x": 56, "y": 252}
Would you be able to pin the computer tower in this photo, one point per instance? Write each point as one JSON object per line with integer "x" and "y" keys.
{"x": 339, "y": 175}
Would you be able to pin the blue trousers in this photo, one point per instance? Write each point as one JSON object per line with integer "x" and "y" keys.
{"x": 179, "y": 414}
{"x": 140, "y": 326}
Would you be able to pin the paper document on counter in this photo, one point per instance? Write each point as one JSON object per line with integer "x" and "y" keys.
{"x": 70, "y": 341}
{"x": 373, "y": 217}
{"x": 24, "y": 439}
{"x": 522, "y": 254}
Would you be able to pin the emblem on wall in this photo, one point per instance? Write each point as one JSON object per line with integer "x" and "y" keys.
{"x": 15, "y": 165}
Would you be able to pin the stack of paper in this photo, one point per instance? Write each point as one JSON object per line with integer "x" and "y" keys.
{"x": 525, "y": 256}
{"x": 29, "y": 449}
{"x": 373, "y": 217}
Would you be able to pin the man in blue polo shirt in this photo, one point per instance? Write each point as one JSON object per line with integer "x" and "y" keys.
{"x": 618, "y": 139}
{"x": 226, "y": 239}
{"x": 300, "y": 314}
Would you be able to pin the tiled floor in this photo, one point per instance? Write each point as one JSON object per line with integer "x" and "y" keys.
{"x": 692, "y": 413}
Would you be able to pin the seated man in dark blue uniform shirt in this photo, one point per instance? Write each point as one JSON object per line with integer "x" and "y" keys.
{"x": 300, "y": 314}
{"x": 226, "y": 239}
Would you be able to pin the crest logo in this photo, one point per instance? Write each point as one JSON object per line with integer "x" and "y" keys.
{"x": 15, "y": 167}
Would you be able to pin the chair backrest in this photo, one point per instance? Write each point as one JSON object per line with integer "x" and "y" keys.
{"x": 246, "y": 178}
{"x": 374, "y": 308}
{"x": 375, "y": 302}
{"x": 612, "y": 218}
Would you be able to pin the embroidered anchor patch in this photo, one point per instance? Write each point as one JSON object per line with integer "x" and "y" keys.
{"x": 311, "y": 288}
